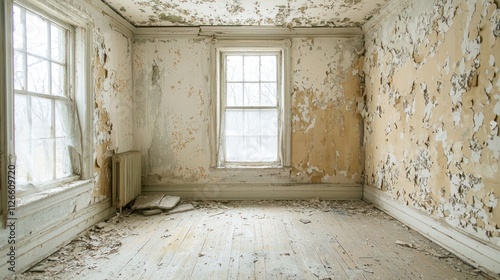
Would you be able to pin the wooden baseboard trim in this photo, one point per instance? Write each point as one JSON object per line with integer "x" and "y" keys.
{"x": 469, "y": 248}
{"x": 259, "y": 191}
{"x": 32, "y": 249}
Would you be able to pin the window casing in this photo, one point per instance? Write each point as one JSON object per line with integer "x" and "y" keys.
{"x": 48, "y": 103}
{"x": 252, "y": 109}
{"x": 42, "y": 51}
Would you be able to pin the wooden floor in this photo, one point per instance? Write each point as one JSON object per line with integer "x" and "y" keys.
{"x": 255, "y": 240}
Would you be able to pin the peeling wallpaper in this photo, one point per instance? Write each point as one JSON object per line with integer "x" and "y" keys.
{"x": 326, "y": 125}
{"x": 289, "y": 13}
{"x": 172, "y": 112}
{"x": 432, "y": 109}
{"x": 112, "y": 73}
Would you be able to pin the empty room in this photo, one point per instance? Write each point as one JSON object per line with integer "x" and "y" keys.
{"x": 238, "y": 139}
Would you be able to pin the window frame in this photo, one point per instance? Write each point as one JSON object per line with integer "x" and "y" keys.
{"x": 67, "y": 93}
{"x": 81, "y": 87}
{"x": 257, "y": 47}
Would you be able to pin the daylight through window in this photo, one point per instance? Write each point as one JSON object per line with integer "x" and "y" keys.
{"x": 41, "y": 97}
{"x": 251, "y": 101}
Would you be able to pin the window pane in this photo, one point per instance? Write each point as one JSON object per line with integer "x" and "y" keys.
{"x": 38, "y": 75}
{"x": 43, "y": 160}
{"x": 269, "y": 122}
{"x": 268, "y": 93}
{"x": 252, "y": 123}
{"x": 18, "y": 29}
{"x": 22, "y": 125}
{"x": 269, "y": 148}
{"x": 19, "y": 75}
{"x": 57, "y": 43}
{"x": 251, "y": 95}
{"x": 234, "y": 122}
{"x": 234, "y": 66}
{"x": 41, "y": 117}
{"x": 251, "y": 135}
{"x": 234, "y": 148}
{"x": 234, "y": 94}
{"x": 251, "y": 149}
{"x": 63, "y": 166}
{"x": 60, "y": 117}
{"x": 58, "y": 79}
{"x": 268, "y": 68}
{"x": 23, "y": 158}
{"x": 251, "y": 68}
{"x": 40, "y": 134}
{"x": 36, "y": 35}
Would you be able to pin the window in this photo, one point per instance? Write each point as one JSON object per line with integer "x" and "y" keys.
{"x": 46, "y": 130}
{"x": 251, "y": 112}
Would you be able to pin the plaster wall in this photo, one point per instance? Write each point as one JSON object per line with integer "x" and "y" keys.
{"x": 432, "y": 109}
{"x": 173, "y": 113}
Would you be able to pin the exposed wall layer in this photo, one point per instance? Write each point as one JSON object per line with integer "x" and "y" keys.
{"x": 173, "y": 111}
{"x": 432, "y": 111}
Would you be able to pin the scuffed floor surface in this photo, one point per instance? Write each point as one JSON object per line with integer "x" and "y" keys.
{"x": 254, "y": 240}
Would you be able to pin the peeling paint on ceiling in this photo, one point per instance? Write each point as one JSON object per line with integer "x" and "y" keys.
{"x": 287, "y": 13}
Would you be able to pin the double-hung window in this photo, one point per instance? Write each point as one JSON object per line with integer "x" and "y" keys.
{"x": 45, "y": 130}
{"x": 252, "y": 108}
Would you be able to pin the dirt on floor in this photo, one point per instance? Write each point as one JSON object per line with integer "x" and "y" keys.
{"x": 104, "y": 240}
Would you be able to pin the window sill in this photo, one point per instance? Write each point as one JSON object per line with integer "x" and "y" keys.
{"x": 32, "y": 189}
{"x": 65, "y": 189}
{"x": 255, "y": 171}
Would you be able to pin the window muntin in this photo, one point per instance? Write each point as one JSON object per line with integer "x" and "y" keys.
{"x": 250, "y": 109}
{"x": 41, "y": 97}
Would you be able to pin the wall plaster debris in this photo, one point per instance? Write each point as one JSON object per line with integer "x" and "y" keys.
{"x": 172, "y": 113}
{"x": 432, "y": 111}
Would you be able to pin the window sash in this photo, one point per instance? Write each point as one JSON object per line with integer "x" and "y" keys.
{"x": 55, "y": 143}
{"x": 224, "y": 82}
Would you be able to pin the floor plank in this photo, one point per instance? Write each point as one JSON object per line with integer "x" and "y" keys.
{"x": 254, "y": 240}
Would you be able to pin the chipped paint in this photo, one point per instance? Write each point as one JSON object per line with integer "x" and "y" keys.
{"x": 173, "y": 112}
{"x": 289, "y": 13}
{"x": 326, "y": 125}
{"x": 431, "y": 76}
{"x": 112, "y": 74}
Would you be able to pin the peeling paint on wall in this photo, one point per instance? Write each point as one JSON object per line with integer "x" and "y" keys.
{"x": 173, "y": 113}
{"x": 113, "y": 129}
{"x": 326, "y": 126}
{"x": 289, "y": 13}
{"x": 431, "y": 117}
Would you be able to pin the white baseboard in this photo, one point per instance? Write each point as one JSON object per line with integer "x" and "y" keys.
{"x": 259, "y": 191}
{"x": 469, "y": 248}
{"x": 33, "y": 248}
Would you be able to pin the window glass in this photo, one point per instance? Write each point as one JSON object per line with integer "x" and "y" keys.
{"x": 251, "y": 111}
{"x": 40, "y": 84}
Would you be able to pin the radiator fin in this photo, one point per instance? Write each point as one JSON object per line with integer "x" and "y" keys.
{"x": 126, "y": 178}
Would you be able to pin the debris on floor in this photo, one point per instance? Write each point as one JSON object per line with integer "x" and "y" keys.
{"x": 89, "y": 253}
{"x": 151, "y": 212}
{"x": 156, "y": 204}
{"x": 147, "y": 201}
{"x": 405, "y": 244}
{"x": 305, "y": 221}
{"x": 181, "y": 208}
{"x": 169, "y": 202}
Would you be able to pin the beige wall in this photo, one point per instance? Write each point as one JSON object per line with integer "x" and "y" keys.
{"x": 432, "y": 109}
{"x": 172, "y": 112}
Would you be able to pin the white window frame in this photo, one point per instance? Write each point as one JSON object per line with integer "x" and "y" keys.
{"x": 68, "y": 94}
{"x": 258, "y": 47}
{"x": 81, "y": 84}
